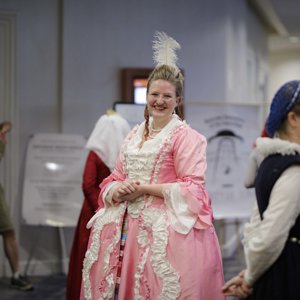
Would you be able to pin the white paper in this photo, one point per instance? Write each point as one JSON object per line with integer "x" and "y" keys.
{"x": 52, "y": 193}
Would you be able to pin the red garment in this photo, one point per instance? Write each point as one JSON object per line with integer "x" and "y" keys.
{"x": 95, "y": 171}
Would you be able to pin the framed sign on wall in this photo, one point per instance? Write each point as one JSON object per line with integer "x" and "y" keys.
{"x": 134, "y": 84}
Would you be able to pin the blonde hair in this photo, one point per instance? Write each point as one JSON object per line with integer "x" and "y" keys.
{"x": 173, "y": 76}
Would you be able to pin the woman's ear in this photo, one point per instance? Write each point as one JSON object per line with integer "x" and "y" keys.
{"x": 293, "y": 119}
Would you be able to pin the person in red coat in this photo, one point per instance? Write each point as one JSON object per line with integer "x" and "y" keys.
{"x": 103, "y": 144}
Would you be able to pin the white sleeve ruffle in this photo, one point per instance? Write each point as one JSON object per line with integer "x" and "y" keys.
{"x": 254, "y": 161}
{"x": 107, "y": 194}
{"x": 181, "y": 219}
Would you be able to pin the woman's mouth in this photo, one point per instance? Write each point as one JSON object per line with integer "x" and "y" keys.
{"x": 159, "y": 107}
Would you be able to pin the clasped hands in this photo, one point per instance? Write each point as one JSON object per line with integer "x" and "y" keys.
{"x": 127, "y": 190}
{"x": 237, "y": 286}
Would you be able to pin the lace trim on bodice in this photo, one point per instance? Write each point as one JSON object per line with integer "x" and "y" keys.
{"x": 144, "y": 163}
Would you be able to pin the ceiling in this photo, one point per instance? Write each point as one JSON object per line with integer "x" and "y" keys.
{"x": 288, "y": 12}
{"x": 282, "y": 17}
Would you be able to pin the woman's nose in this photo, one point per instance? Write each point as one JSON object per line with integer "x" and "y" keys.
{"x": 160, "y": 98}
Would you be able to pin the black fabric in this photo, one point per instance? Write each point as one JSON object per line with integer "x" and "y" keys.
{"x": 281, "y": 280}
{"x": 268, "y": 173}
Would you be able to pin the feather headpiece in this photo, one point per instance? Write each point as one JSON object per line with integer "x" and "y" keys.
{"x": 164, "y": 50}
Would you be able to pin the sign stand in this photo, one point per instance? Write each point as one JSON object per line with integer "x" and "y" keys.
{"x": 64, "y": 255}
{"x": 32, "y": 250}
{"x": 52, "y": 193}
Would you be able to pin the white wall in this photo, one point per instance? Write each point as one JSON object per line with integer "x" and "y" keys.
{"x": 69, "y": 57}
{"x": 101, "y": 37}
{"x": 284, "y": 66}
{"x": 37, "y": 110}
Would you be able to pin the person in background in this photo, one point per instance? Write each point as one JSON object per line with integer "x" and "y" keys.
{"x": 272, "y": 238}
{"x": 103, "y": 145}
{"x": 254, "y": 162}
{"x": 154, "y": 238}
{"x": 7, "y": 229}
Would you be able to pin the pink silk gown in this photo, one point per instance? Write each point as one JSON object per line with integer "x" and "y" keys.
{"x": 171, "y": 250}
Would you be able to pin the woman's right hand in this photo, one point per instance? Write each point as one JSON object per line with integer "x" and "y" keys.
{"x": 127, "y": 191}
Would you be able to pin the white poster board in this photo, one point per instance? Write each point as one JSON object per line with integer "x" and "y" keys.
{"x": 52, "y": 193}
{"x": 133, "y": 113}
{"x": 231, "y": 130}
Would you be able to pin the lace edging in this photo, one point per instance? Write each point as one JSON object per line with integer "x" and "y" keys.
{"x": 155, "y": 219}
{"x": 112, "y": 215}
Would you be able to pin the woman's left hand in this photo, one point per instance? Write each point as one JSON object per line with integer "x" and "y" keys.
{"x": 129, "y": 190}
{"x": 229, "y": 289}
{"x": 243, "y": 290}
{"x": 237, "y": 286}
{"x": 128, "y": 187}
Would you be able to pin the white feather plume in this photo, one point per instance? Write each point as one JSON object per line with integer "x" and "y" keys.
{"x": 164, "y": 49}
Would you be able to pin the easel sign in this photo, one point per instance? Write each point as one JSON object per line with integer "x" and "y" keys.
{"x": 231, "y": 130}
{"x": 52, "y": 194}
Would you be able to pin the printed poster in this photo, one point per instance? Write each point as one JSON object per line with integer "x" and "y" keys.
{"x": 231, "y": 131}
{"x": 52, "y": 193}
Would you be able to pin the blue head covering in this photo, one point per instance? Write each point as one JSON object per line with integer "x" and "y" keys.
{"x": 281, "y": 105}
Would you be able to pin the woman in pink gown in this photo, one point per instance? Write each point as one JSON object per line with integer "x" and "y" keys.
{"x": 157, "y": 193}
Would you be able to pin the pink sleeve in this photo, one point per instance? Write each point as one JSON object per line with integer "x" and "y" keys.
{"x": 117, "y": 175}
{"x": 190, "y": 166}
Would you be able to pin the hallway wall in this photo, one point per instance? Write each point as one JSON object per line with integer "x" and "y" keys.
{"x": 69, "y": 54}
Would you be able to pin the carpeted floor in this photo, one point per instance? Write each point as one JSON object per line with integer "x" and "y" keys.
{"x": 54, "y": 287}
{"x": 45, "y": 288}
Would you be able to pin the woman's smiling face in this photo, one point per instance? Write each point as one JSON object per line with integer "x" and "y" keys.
{"x": 161, "y": 100}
